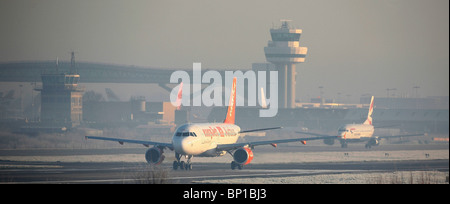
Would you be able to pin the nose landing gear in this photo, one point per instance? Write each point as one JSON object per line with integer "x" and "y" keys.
{"x": 181, "y": 164}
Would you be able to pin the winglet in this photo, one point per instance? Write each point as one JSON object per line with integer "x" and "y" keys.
{"x": 231, "y": 105}
{"x": 369, "y": 115}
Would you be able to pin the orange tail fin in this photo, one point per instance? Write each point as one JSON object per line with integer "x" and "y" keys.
{"x": 179, "y": 95}
{"x": 369, "y": 115}
{"x": 231, "y": 105}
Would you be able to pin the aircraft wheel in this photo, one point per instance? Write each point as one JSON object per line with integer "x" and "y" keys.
{"x": 182, "y": 165}
{"x": 233, "y": 165}
{"x": 240, "y": 166}
{"x": 188, "y": 167}
{"x": 175, "y": 165}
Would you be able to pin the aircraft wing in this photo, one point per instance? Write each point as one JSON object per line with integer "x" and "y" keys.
{"x": 262, "y": 129}
{"x": 314, "y": 134}
{"x": 226, "y": 147}
{"x": 121, "y": 141}
{"x": 397, "y": 136}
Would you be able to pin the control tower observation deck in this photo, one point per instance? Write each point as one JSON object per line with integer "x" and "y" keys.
{"x": 284, "y": 51}
{"x": 61, "y": 98}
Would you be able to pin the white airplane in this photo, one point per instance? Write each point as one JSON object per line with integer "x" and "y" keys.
{"x": 358, "y": 133}
{"x": 208, "y": 140}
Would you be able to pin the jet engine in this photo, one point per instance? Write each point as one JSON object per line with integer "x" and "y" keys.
{"x": 243, "y": 156}
{"x": 373, "y": 142}
{"x": 154, "y": 155}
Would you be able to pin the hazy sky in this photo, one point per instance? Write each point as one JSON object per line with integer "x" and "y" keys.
{"x": 354, "y": 46}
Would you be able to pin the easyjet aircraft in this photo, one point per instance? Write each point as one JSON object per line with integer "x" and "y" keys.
{"x": 359, "y": 133}
{"x": 208, "y": 140}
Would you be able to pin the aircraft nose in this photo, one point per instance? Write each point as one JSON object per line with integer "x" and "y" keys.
{"x": 184, "y": 146}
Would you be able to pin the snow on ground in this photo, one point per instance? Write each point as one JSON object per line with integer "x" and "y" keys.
{"x": 288, "y": 157}
{"x": 262, "y": 157}
{"x": 259, "y": 157}
{"x": 79, "y": 158}
{"x": 401, "y": 177}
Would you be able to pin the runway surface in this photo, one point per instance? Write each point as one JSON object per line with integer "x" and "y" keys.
{"x": 50, "y": 172}
{"x": 124, "y": 172}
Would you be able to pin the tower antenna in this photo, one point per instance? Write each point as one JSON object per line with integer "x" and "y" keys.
{"x": 285, "y": 23}
{"x": 72, "y": 63}
{"x": 57, "y": 71}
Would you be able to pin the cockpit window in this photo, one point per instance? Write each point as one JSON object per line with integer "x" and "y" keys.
{"x": 185, "y": 134}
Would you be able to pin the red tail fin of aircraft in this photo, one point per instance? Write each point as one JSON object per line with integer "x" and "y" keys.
{"x": 180, "y": 93}
{"x": 369, "y": 115}
{"x": 231, "y": 105}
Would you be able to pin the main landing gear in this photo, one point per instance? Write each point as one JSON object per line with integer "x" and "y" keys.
{"x": 183, "y": 165}
{"x": 235, "y": 165}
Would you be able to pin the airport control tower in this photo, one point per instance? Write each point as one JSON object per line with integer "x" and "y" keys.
{"x": 61, "y": 97}
{"x": 284, "y": 51}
